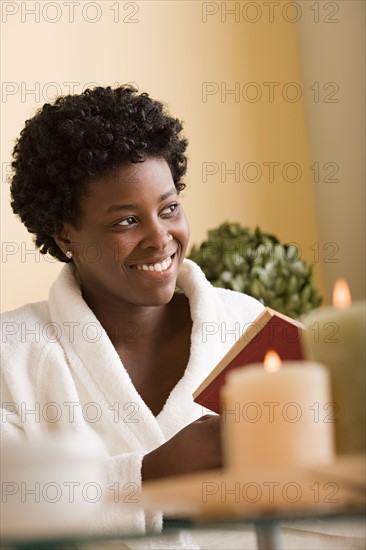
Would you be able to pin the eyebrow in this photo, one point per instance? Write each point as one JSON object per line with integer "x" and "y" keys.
{"x": 132, "y": 206}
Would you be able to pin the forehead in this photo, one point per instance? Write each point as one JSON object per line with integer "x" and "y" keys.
{"x": 130, "y": 183}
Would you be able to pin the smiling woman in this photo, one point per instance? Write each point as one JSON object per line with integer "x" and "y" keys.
{"x": 96, "y": 179}
{"x": 140, "y": 230}
{"x": 141, "y": 233}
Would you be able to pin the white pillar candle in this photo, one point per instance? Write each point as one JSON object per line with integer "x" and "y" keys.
{"x": 336, "y": 336}
{"x": 277, "y": 419}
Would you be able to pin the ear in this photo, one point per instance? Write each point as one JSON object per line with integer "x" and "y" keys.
{"x": 63, "y": 239}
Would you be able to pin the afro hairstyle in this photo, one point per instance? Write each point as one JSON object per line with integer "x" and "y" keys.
{"x": 79, "y": 137}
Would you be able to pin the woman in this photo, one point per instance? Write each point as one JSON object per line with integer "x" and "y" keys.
{"x": 123, "y": 340}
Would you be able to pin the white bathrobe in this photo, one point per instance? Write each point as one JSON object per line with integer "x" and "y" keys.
{"x": 58, "y": 360}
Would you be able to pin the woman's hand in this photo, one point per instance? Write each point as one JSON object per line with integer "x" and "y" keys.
{"x": 196, "y": 447}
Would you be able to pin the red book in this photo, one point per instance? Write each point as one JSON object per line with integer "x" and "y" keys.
{"x": 269, "y": 331}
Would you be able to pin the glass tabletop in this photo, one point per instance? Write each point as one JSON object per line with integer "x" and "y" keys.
{"x": 267, "y": 527}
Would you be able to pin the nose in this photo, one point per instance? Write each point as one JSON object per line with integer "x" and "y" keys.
{"x": 156, "y": 235}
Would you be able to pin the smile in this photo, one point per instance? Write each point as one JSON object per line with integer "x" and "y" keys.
{"x": 158, "y": 267}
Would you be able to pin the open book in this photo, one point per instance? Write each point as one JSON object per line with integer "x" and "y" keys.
{"x": 271, "y": 330}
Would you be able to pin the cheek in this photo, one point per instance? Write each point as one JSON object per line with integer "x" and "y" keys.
{"x": 119, "y": 249}
{"x": 182, "y": 237}
{"x": 184, "y": 229}
{"x": 94, "y": 252}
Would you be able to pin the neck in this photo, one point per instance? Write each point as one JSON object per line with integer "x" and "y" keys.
{"x": 128, "y": 323}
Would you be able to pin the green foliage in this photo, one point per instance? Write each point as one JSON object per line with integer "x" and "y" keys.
{"x": 259, "y": 265}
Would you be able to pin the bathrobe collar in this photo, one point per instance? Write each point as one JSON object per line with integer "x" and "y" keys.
{"x": 93, "y": 359}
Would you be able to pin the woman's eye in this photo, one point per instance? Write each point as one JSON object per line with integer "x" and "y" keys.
{"x": 171, "y": 208}
{"x": 127, "y": 221}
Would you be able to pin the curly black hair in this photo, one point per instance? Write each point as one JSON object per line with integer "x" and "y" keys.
{"x": 81, "y": 136}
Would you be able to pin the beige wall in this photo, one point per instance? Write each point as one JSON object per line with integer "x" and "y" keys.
{"x": 333, "y": 54}
{"x": 188, "y": 59}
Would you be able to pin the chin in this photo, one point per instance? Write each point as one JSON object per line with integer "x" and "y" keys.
{"x": 158, "y": 298}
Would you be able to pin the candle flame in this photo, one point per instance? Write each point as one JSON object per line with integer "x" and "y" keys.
{"x": 341, "y": 294}
{"x": 272, "y": 361}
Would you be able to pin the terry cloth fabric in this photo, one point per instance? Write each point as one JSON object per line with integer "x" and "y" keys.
{"x": 56, "y": 352}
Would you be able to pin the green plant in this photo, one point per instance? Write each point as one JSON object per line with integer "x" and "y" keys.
{"x": 257, "y": 264}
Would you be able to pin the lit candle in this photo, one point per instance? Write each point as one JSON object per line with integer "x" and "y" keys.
{"x": 336, "y": 336}
{"x": 275, "y": 417}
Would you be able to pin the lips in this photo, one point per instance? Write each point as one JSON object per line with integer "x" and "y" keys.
{"x": 160, "y": 266}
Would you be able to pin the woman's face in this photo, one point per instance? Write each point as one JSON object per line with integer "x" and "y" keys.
{"x": 132, "y": 235}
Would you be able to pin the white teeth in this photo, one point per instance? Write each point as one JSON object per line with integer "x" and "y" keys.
{"x": 156, "y": 267}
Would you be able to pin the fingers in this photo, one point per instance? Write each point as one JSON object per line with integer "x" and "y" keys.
{"x": 213, "y": 421}
{"x": 206, "y": 417}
